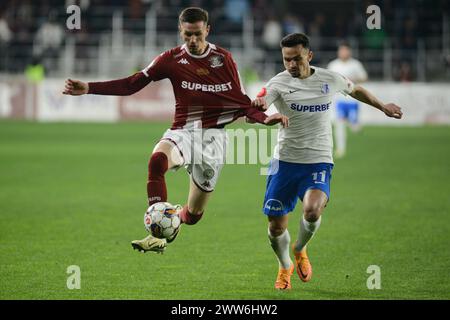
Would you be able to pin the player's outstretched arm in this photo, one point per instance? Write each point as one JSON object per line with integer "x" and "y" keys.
{"x": 390, "y": 109}
{"x": 120, "y": 87}
{"x": 75, "y": 87}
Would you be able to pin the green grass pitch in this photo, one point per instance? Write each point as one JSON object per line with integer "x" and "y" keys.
{"x": 74, "y": 194}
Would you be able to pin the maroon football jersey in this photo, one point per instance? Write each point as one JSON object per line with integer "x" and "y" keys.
{"x": 207, "y": 88}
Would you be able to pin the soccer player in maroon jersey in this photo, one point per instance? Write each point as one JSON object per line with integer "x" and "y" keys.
{"x": 208, "y": 95}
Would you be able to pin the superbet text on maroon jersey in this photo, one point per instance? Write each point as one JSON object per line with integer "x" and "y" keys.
{"x": 207, "y": 88}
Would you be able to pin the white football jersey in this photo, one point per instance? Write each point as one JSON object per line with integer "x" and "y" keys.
{"x": 307, "y": 103}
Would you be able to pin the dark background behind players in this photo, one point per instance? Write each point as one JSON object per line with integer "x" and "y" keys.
{"x": 413, "y": 44}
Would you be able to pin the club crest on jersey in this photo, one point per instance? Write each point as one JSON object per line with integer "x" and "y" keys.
{"x": 216, "y": 61}
{"x": 325, "y": 88}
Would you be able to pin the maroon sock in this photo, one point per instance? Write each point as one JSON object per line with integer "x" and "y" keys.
{"x": 189, "y": 218}
{"x": 156, "y": 184}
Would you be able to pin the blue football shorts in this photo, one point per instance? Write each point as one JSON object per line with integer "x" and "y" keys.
{"x": 287, "y": 182}
{"x": 348, "y": 110}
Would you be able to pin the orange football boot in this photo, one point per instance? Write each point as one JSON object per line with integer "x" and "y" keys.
{"x": 303, "y": 266}
{"x": 284, "y": 278}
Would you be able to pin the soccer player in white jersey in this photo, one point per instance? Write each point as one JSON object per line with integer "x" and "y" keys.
{"x": 303, "y": 160}
{"x": 346, "y": 107}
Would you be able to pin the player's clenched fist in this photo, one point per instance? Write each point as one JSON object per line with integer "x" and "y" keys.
{"x": 277, "y": 118}
{"x": 75, "y": 87}
{"x": 392, "y": 110}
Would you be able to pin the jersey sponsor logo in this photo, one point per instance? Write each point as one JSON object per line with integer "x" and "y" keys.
{"x": 273, "y": 205}
{"x": 216, "y": 61}
{"x": 206, "y": 87}
{"x": 183, "y": 61}
{"x": 314, "y": 108}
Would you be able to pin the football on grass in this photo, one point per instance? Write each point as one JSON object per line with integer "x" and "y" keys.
{"x": 162, "y": 220}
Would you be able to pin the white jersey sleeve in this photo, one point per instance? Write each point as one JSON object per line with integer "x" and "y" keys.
{"x": 271, "y": 93}
{"x": 343, "y": 84}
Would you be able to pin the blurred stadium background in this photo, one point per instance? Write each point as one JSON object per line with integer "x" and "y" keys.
{"x": 74, "y": 193}
{"x": 118, "y": 38}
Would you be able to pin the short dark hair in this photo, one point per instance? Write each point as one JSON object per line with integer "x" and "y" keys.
{"x": 194, "y": 14}
{"x": 294, "y": 39}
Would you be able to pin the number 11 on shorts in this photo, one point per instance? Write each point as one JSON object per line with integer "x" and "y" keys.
{"x": 322, "y": 175}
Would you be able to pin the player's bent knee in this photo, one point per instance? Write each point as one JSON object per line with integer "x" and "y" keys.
{"x": 172, "y": 153}
{"x": 276, "y": 231}
{"x": 277, "y": 227}
{"x": 312, "y": 213}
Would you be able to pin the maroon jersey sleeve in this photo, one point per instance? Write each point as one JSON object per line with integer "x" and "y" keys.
{"x": 120, "y": 87}
{"x": 159, "y": 68}
{"x": 155, "y": 71}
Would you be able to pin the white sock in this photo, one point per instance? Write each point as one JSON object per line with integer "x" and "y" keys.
{"x": 307, "y": 231}
{"x": 280, "y": 246}
{"x": 340, "y": 135}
